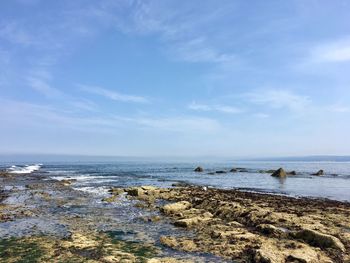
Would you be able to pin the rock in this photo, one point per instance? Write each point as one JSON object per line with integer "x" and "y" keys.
{"x": 149, "y": 188}
{"x": 270, "y": 230}
{"x": 267, "y": 171}
{"x": 67, "y": 182}
{"x": 292, "y": 173}
{"x": 233, "y": 170}
{"x": 199, "y": 169}
{"x": 211, "y": 173}
{"x": 318, "y": 239}
{"x": 188, "y": 222}
{"x": 116, "y": 191}
{"x": 168, "y": 241}
{"x": 110, "y": 199}
{"x": 279, "y": 173}
{"x": 176, "y": 207}
{"x": 319, "y": 173}
{"x": 135, "y": 191}
{"x": 220, "y": 172}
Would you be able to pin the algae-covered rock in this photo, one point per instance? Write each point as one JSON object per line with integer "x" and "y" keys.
{"x": 319, "y": 239}
{"x": 279, "y": 173}
{"x": 176, "y": 207}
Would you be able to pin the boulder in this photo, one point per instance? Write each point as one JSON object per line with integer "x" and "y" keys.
{"x": 176, "y": 207}
{"x": 135, "y": 191}
{"x": 319, "y": 173}
{"x": 279, "y": 173}
{"x": 199, "y": 169}
{"x": 319, "y": 239}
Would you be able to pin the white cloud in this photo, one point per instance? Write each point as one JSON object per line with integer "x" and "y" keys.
{"x": 261, "y": 115}
{"x": 11, "y": 31}
{"x": 218, "y": 108}
{"x": 339, "y": 109}
{"x": 41, "y": 85}
{"x": 183, "y": 124}
{"x": 113, "y": 95}
{"x": 335, "y": 51}
{"x": 278, "y": 99}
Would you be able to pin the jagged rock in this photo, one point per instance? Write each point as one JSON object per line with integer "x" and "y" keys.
{"x": 188, "y": 222}
{"x": 135, "y": 191}
{"x": 279, "y": 173}
{"x": 199, "y": 169}
{"x": 116, "y": 191}
{"x": 176, "y": 207}
{"x": 319, "y": 173}
{"x": 270, "y": 230}
{"x": 318, "y": 239}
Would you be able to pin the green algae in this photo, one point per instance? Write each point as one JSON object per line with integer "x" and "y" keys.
{"x": 15, "y": 250}
{"x": 138, "y": 249}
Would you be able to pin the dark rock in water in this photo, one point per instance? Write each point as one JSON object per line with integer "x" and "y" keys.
{"x": 279, "y": 173}
{"x": 242, "y": 170}
{"x": 199, "y": 169}
{"x": 220, "y": 172}
{"x": 211, "y": 173}
{"x": 319, "y": 173}
{"x": 267, "y": 171}
{"x": 292, "y": 173}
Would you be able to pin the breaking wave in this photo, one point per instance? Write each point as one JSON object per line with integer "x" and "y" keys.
{"x": 27, "y": 169}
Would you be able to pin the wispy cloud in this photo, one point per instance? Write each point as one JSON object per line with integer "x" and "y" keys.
{"x": 12, "y": 32}
{"x": 41, "y": 85}
{"x": 182, "y": 124}
{"x": 38, "y": 114}
{"x": 261, "y": 115}
{"x": 339, "y": 108}
{"x": 334, "y": 51}
{"x": 113, "y": 95}
{"x": 278, "y": 99}
{"x": 218, "y": 108}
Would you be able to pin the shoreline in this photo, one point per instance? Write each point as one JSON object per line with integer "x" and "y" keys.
{"x": 203, "y": 223}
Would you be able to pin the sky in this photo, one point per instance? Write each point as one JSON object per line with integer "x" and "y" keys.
{"x": 175, "y": 78}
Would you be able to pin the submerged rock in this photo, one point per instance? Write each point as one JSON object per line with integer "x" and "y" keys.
{"x": 319, "y": 173}
{"x": 279, "y": 173}
{"x": 292, "y": 173}
{"x": 220, "y": 172}
{"x": 199, "y": 169}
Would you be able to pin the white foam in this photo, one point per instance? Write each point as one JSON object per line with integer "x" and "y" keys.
{"x": 100, "y": 191}
{"x": 24, "y": 169}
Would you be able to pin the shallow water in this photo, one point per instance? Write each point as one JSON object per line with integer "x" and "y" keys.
{"x": 98, "y": 177}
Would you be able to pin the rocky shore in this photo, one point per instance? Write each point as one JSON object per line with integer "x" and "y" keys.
{"x": 252, "y": 227}
{"x": 47, "y": 220}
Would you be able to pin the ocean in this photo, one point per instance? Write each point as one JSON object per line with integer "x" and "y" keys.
{"x": 98, "y": 177}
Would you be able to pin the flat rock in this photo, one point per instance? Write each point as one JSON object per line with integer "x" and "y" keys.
{"x": 176, "y": 207}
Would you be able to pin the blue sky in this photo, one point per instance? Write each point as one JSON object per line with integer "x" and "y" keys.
{"x": 175, "y": 78}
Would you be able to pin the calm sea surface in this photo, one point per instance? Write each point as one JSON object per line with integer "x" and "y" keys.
{"x": 98, "y": 177}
